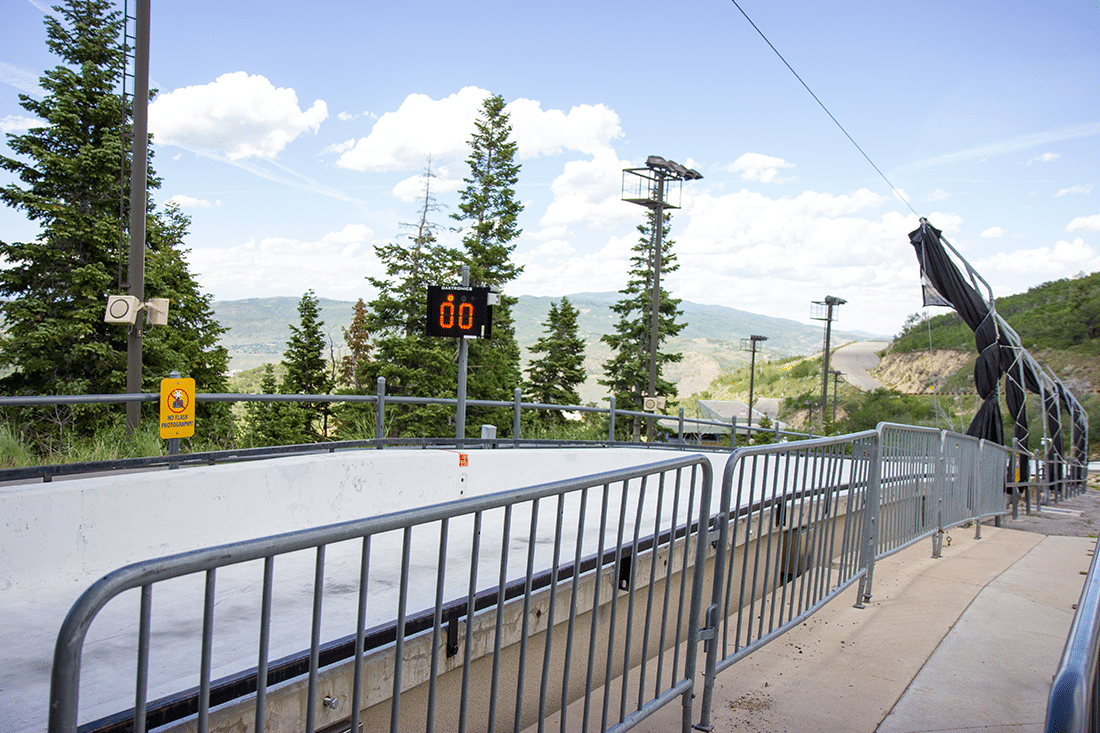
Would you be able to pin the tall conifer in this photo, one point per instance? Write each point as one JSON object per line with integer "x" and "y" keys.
{"x": 554, "y": 377}
{"x": 489, "y": 211}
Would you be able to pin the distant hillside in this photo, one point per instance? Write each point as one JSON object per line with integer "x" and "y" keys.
{"x": 259, "y": 329}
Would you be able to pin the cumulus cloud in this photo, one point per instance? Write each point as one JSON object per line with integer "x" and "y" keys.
{"x": 1061, "y": 258}
{"x": 762, "y": 168}
{"x": 190, "y": 202}
{"x": 588, "y": 192}
{"x": 412, "y": 188}
{"x": 1081, "y": 188}
{"x": 238, "y": 115}
{"x": 993, "y": 233}
{"x": 1044, "y": 158}
{"x": 284, "y": 266}
{"x": 19, "y": 123}
{"x": 938, "y": 195}
{"x": 1085, "y": 223}
{"x": 423, "y": 126}
{"x": 586, "y": 128}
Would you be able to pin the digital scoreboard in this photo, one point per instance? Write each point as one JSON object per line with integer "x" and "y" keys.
{"x": 459, "y": 311}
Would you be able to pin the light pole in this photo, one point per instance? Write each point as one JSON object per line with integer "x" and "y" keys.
{"x": 749, "y": 344}
{"x": 822, "y": 310}
{"x": 836, "y": 375}
{"x": 649, "y": 187}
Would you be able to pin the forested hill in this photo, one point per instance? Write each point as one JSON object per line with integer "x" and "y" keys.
{"x": 710, "y": 342}
{"x": 1062, "y": 315}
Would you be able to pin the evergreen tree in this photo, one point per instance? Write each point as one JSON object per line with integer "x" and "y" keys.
{"x": 53, "y": 290}
{"x": 307, "y": 367}
{"x": 273, "y": 423}
{"x": 489, "y": 211}
{"x": 553, "y": 378}
{"x": 412, "y": 363}
{"x": 627, "y": 372}
{"x": 357, "y": 337}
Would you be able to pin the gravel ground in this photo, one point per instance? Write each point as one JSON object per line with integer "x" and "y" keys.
{"x": 1078, "y": 516}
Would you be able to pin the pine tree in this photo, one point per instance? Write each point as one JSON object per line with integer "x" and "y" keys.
{"x": 554, "y": 378}
{"x": 53, "y": 290}
{"x": 357, "y": 337}
{"x": 412, "y": 363}
{"x": 307, "y": 367}
{"x": 273, "y": 423}
{"x": 627, "y": 372}
{"x": 489, "y": 210}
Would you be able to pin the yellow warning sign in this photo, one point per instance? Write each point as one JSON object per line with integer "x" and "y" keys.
{"x": 177, "y": 408}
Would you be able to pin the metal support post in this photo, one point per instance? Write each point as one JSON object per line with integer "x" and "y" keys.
{"x": 380, "y": 411}
{"x": 518, "y": 399}
{"x": 463, "y": 360}
{"x": 139, "y": 168}
{"x": 611, "y": 420}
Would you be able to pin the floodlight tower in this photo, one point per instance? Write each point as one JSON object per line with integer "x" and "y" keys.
{"x": 651, "y": 187}
{"x": 822, "y": 310}
{"x": 749, "y": 344}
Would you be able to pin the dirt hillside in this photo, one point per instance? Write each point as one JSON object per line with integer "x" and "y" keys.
{"x": 916, "y": 372}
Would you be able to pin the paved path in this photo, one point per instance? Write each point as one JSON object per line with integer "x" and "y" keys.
{"x": 855, "y": 359}
{"x": 968, "y": 642}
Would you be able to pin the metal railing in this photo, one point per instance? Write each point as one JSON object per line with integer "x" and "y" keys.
{"x": 610, "y": 536}
{"x": 617, "y": 587}
{"x": 1074, "y": 702}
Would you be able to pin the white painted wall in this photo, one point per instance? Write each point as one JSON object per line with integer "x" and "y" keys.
{"x": 73, "y": 531}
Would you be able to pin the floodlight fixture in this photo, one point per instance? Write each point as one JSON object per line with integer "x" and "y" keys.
{"x": 651, "y": 186}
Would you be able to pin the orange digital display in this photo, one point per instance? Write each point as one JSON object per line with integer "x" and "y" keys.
{"x": 459, "y": 312}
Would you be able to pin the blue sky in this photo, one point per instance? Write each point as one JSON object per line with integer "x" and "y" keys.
{"x": 294, "y": 138}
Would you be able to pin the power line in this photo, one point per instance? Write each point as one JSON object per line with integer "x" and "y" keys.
{"x": 822, "y": 104}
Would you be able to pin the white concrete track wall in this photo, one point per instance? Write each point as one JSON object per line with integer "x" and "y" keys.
{"x": 57, "y": 538}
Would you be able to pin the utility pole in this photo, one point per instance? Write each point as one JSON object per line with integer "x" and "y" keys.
{"x": 822, "y": 310}
{"x": 749, "y": 344}
{"x": 836, "y": 376}
{"x": 649, "y": 187}
{"x": 139, "y": 170}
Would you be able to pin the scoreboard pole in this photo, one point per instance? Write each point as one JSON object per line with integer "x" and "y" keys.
{"x": 463, "y": 358}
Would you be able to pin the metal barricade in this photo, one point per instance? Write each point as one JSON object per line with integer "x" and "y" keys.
{"x": 586, "y": 591}
{"x": 792, "y": 533}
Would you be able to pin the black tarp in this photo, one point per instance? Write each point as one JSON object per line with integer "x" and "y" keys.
{"x": 995, "y": 354}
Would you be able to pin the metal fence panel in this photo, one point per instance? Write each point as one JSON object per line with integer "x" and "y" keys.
{"x": 585, "y": 591}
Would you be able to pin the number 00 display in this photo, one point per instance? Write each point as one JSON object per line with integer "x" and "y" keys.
{"x": 459, "y": 312}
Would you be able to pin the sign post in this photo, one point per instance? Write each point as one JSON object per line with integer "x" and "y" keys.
{"x": 177, "y": 408}
{"x": 460, "y": 312}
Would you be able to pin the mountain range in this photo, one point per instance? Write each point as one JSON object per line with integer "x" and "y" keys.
{"x": 710, "y": 342}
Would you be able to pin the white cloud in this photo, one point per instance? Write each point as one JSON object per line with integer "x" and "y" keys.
{"x": 588, "y": 192}
{"x": 345, "y": 116}
{"x": 938, "y": 195}
{"x": 1044, "y": 158}
{"x": 240, "y": 115}
{"x": 1087, "y": 223}
{"x": 1063, "y": 257}
{"x": 412, "y": 188}
{"x": 338, "y": 148}
{"x": 586, "y": 128}
{"x": 421, "y": 126}
{"x": 1080, "y": 188}
{"x": 22, "y": 79}
{"x": 993, "y": 233}
{"x": 189, "y": 202}
{"x": 762, "y": 168}
{"x": 19, "y": 123}
{"x": 283, "y": 266}
{"x": 1012, "y": 145}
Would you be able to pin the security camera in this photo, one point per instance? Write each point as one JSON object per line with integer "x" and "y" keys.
{"x": 122, "y": 309}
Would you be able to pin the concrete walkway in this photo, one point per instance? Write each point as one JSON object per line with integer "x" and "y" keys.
{"x": 968, "y": 642}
